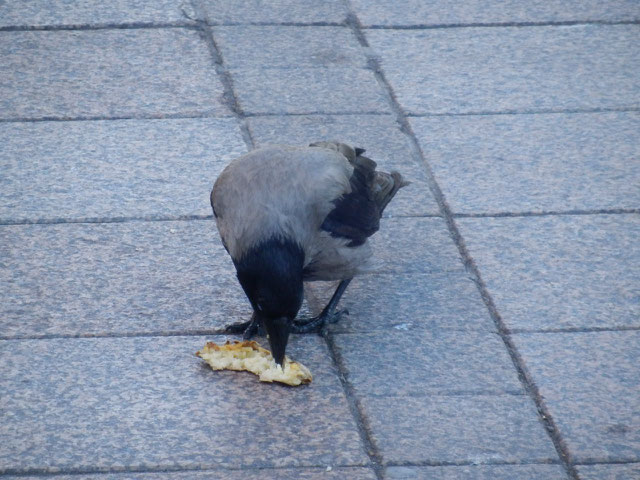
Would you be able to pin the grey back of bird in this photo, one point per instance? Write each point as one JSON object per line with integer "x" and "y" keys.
{"x": 324, "y": 197}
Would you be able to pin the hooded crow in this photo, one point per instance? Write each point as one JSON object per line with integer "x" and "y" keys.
{"x": 287, "y": 215}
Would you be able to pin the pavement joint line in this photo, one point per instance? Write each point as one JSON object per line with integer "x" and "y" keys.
{"x": 60, "y": 220}
{"x": 453, "y": 393}
{"x": 312, "y": 113}
{"x": 447, "y": 114}
{"x": 98, "y": 26}
{"x": 160, "y": 116}
{"x": 609, "y": 462}
{"x": 7, "y": 222}
{"x": 524, "y": 375}
{"x": 622, "y": 328}
{"x": 542, "y": 111}
{"x": 362, "y": 423}
{"x": 192, "y": 333}
{"x": 44, "y": 472}
{"x": 434, "y": 26}
{"x": 73, "y": 336}
{"x": 277, "y": 24}
{"x": 443, "y": 114}
{"x": 193, "y": 24}
{"x": 230, "y": 98}
{"x": 346, "y": 114}
{"x": 150, "y": 333}
{"x": 604, "y": 211}
{"x": 429, "y": 463}
{"x": 408, "y": 215}
{"x": 363, "y": 427}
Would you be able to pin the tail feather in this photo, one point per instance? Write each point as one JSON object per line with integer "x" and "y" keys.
{"x": 386, "y": 187}
{"x": 357, "y": 214}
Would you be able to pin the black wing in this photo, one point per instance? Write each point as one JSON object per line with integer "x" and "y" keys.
{"x": 356, "y": 215}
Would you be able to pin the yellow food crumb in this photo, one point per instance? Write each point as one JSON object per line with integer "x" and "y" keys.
{"x": 248, "y": 355}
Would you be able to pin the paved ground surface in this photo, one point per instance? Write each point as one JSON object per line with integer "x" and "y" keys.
{"x": 498, "y": 337}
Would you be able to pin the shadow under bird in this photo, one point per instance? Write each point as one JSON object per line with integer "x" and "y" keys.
{"x": 288, "y": 215}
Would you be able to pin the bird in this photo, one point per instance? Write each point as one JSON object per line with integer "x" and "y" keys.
{"x": 292, "y": 214}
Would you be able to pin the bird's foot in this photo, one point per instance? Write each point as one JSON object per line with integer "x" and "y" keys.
{"x": 317, "y": 324}
{"x": 247, "y": 329}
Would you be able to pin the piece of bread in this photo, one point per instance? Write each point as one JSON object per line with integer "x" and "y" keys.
{"x": 248, "y": 355}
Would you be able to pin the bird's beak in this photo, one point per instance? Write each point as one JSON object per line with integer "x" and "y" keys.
{"x": 278, "y": 331}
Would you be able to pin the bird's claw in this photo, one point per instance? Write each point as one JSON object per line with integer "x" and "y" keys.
{"x": 248, "y": 329}
{"x": 236, "y": 328}
{"x": 335, "y": 316}
{"x": 317, "y": 324}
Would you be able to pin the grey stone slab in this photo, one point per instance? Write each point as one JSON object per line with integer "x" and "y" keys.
{"x": 549, "y": 272}
{"x": 478, "y": 472}
{"x": 542, "y": 162}
{"x": 38, "y": 13}
{"x": 380, "y": 135}
{"x": 96, "y": 73}
{"x": 471, "y": 429}
{"x": 268, "y": 47}
{"x": 427, "y": 362}
{"x": 331, "y": 90}
{"x": 136, "y": 277}
{"x": 148, "y": 402}
{"x": 356, "y": 473}
{"x": 275, "y": 11}
{"x": 406, "y": 302}
{"x": 414, "y": 245}
{"x": 590, "y": 383}
{"x": 609, "y": 472}
{"x": 463, "y": 70}
{"x": 442, "y": 12}
{"x": 116, "y": 278}
{"x": 406, "y": 246}
{"x": 116, "y": 168}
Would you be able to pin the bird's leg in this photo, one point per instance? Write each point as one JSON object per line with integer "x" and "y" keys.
{"x": 248, "y": 329}
{"x": 328, "y": 314}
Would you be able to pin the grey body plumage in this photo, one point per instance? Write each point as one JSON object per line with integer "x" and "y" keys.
{"x": 292, "y": 214}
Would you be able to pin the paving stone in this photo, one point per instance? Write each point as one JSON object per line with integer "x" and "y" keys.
{"x": 427, "y": 362}
{"x": 275, "y": 11}
{"x": 407, "y": 246}
{"x": 414, "y": 245}
{"x": 309, "y": 90}
{"x": 148, "y": 402}
{"x": 409, "y": 302}
{"x": 590, "y": 383}
{"x": 116, "y": 278}
{"x": 609, "y": 472}
{"x": 37, "y": 13}
{"x": 549, "y": 272}
{"x": 512, "y": 69}
{"x": 511, "y": 163}
{"x": 269, "y": 47}
{"x": 244, "y": 474}
{"x": 116, "y": 168}
{"x": 476, "y": 429}
{"x": 98, "y": 73}
{"x": 441, "y": 12}
{"x": 478, "y": 472}
{"x": 378, "y": 134}
{"x": 132, "y": 277}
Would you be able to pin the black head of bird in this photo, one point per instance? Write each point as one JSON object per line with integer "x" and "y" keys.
{"x": 271, "y": 276}
{"x": 287, "y": 215}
